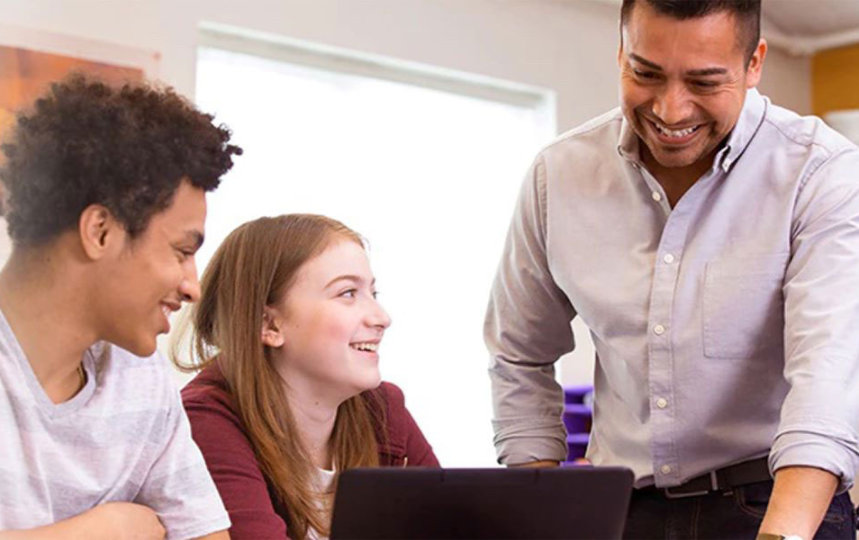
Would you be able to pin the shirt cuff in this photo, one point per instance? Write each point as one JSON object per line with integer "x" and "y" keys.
{"x": 803, "y": 449}
{"x": 523, "y": 441}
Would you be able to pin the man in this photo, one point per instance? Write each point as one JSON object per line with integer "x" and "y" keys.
{"x": 710, "y": 241}
{"x": 105, "y": 202}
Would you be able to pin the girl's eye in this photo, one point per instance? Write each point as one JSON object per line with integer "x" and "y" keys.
{"x": 375, "y": 294}
{"x": 349, "y": 293}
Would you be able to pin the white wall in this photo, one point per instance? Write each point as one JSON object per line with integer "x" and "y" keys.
{"x": 787, "y": 80}
{"x": 565, "y": 45}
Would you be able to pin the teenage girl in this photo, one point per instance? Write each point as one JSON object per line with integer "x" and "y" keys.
{"x": 288, "y": 329}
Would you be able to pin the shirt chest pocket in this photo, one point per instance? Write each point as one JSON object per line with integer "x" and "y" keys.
{"x": 743, "y": 306}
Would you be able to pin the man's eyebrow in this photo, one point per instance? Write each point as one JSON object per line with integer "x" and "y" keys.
{"x": 706, "y": 72}
{"x": 646, "y": 62}
{"x": 349, "y": 277}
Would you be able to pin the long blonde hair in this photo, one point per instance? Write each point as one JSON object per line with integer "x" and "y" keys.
{"x": 253, "y": 268}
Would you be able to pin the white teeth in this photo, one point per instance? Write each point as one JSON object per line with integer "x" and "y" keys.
{"x": 166, "y": 311}
{"x": 677, "y": 134}
{"x": 371, "y": 347}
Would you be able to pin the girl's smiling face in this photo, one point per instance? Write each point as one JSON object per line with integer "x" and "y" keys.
{"x": 326, "y": 330}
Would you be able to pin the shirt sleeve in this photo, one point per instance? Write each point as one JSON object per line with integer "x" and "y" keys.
{"x": 235, "y": 470}
{"x": 527, "y": 329}
{"x": 819, "y": 416}
{"x": 178, "y": 487}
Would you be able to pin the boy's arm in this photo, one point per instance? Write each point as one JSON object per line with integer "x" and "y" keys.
{"x": 110, "y": 520}
{"x": 220, "y": 535}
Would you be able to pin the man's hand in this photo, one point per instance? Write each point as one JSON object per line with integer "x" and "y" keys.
{"x": 119, "y": 520}
{"x": 543, "y": 463}
{"x": 799, "y": 501}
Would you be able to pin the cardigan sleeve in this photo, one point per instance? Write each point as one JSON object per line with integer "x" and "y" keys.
{"x": 233, "y": 466}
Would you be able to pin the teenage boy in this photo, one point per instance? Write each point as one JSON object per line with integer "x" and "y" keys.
{"x": 105, "y": 202}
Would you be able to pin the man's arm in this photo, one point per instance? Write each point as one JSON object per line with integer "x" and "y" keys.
{"x": 543, "y": 463}
{"x": 527, "y": 329}
{"x": 116, "y": 520}
{"x": 816, "y": 448}
{"x": 799, "y": 487}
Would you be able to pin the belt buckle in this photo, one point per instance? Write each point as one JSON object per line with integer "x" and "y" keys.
{"x": 714, "y": 486}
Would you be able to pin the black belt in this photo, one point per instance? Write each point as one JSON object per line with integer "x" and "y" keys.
{"x": 740, "y": 474}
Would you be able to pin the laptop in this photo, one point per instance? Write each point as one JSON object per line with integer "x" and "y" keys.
{"x": 532, "y": 503}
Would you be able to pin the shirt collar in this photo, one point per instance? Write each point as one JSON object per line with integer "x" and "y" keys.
{"x": 750, "y": 119}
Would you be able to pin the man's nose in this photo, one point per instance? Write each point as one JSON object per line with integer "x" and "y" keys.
{"x": 673, "y": 105}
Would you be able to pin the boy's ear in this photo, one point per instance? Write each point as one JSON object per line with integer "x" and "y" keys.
{"x": 271, "y": 335}
{"x": 99, "y": 231}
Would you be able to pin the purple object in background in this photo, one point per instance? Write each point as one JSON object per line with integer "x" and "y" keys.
{"x": 577, "y": 444}
{"x": 577, "y": 394}
{"x": 577, "y": 418}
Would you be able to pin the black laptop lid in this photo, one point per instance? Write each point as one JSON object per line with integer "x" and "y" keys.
{"x": 575, "y": 502}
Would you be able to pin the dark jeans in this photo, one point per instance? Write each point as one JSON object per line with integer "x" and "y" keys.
{"x": 734, "y": 514}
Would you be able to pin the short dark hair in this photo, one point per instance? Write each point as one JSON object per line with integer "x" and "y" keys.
{"x": 746, "y": 12}
{"x": 126, "y": 148}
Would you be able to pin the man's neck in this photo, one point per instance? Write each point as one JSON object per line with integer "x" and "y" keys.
{"x": 44, "y": 310}
{"x": 676, "y": 181}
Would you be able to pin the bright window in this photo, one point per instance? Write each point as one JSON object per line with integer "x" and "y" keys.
{"x": 426, "y": 166}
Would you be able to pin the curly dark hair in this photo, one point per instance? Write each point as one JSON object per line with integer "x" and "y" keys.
{"x": 126, "y": 148}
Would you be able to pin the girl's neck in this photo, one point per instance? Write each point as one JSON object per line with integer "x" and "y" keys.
{"x": 315, "y": 422}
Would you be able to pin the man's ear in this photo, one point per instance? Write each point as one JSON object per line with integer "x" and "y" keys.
{"x": 756, "y": 64}
{"x": 272, "y": 325}
{"x": 99, "y": 231}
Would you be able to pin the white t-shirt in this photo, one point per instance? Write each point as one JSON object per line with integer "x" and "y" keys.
{"x": 324, "y": 486}
{"x": 123, "y": 437}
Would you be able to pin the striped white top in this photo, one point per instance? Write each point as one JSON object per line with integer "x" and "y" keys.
{"x": 123, "y": 437}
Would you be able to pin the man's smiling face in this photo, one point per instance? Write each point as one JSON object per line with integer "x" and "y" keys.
{"x": 683, "y": 83}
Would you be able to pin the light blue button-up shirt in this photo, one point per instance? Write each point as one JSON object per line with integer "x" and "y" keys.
{"x": 726, "y": 328}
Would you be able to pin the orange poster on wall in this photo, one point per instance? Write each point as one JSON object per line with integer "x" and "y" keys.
{"x": 26, "y": 74}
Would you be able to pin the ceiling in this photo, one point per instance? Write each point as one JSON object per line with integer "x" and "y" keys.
{"x": 806, "y": 26}
{"x": 813, "y": 18}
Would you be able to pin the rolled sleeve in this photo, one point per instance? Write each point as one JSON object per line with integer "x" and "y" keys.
{"x": 820, "y": 415}
{"x": 527, "y": 329}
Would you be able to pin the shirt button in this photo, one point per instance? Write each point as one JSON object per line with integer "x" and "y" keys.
{"x": 668, "y": 258}
{"x": 665, "y": 469}
{"x": 656, "y": 196}
{"x": 658, "y": 329}
{"x": 661, "y": 403}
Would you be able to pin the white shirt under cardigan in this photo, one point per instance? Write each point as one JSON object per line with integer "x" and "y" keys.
{"x": 324, "y": 484}
{"x": 726, "y": 328}
{"x": 123, "y": 437}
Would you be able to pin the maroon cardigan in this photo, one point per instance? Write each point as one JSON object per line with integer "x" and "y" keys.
{"x": 254, "y": 510}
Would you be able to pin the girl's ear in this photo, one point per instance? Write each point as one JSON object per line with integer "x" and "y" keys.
{"x": 272, "y": 335}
